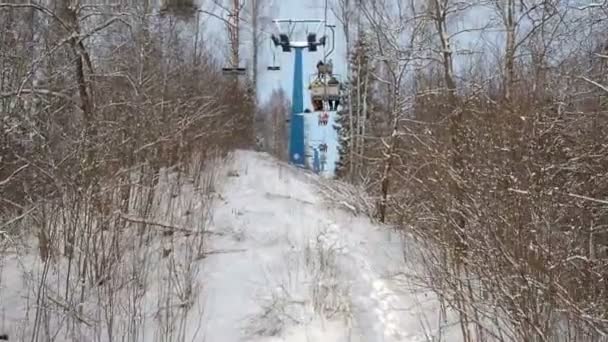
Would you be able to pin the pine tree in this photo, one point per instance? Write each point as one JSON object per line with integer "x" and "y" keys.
{"x": 351, "y": 130}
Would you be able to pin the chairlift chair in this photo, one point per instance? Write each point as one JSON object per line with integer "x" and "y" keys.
{"x": 274, "y": 66}
{"x": 234, "y": 71}
{"x": 325, "y": 90}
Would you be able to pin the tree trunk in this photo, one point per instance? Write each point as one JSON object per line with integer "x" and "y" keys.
{"x": 388, "y": 165}
{"x": 255, "y": 14}
{"x": 510, "y": 50}
{"x": 364, "y": 113}
{"x": 446, "y": 49}
{"x": 357, "y": 130}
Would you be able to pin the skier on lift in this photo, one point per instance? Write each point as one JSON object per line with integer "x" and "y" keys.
{"x": 333, "y": 103}
{"x": 320, "y": 69}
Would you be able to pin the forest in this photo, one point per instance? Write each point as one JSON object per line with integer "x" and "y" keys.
{"x": 479, "y": 127}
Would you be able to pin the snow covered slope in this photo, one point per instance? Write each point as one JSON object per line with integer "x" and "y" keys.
{"x": 303, "y": 270}
{"x": 281, "y": 263}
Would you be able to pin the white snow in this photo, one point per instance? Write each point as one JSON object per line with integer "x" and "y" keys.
{"x": 297, "y": 246}
{"x": 284, "y": 264}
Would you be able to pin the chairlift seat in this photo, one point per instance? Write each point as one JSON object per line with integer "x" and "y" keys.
{"x": 273, "y": 68}
{"x": 320, "y": 91}
{"x": 234, "y": 71}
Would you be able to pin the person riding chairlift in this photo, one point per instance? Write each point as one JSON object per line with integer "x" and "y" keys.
{"x": 320, "y": 69}
{"x": 317, "y": 105}
{"x": 324, "y": 68}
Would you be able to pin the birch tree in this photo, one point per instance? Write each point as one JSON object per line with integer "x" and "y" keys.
{"x": 521, "y": 20}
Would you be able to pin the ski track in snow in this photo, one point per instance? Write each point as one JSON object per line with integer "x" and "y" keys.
{"x": 276, "y": 209}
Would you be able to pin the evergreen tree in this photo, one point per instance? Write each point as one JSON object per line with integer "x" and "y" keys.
{"x": 342, "y": 126}
{"x": 356, "y": 108}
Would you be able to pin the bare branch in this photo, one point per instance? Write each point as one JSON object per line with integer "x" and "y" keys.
{"x": 41, "y": 9}
{"x": 604, "y": 88}
{"x": 8, "y": 179}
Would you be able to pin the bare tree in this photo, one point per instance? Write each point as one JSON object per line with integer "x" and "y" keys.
{"x": 274, "y": 123}
{"x": 521, "y": 20}
{"x": 500, "y": 193}
{"x": 104, "y": 123}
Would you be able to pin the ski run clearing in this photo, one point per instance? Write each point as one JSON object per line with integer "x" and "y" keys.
{"x": 283, "y": 262}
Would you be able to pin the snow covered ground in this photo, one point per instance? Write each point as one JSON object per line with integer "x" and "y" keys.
{"x": 282, "y": 264}
{"x": 305, "y": 266}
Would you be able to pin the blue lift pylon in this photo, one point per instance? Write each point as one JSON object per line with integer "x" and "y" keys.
{"x": 297, "y": 153}
{"x": 296, "y": 141}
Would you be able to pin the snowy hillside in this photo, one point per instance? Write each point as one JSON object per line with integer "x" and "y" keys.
{"x": 301, "y": 269}
{"x": 281, "y": 263}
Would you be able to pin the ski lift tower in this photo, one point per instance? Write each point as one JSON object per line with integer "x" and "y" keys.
{"x": 286, "y": 30}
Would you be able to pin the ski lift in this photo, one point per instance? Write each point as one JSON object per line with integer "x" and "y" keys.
{"x": 274, "y": 66}
{"x": 324, "y": 90}
{"x": 286, "y": 44}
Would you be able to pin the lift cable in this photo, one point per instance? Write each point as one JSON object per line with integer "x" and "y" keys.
{"x": 325, "y": 34}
